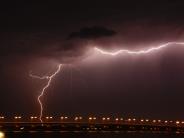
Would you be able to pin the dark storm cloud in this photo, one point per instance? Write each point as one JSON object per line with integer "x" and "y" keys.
{"x": 92, "y": 32}
{"x": 51, "y": 44}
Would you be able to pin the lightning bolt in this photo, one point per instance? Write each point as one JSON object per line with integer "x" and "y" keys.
{"x": 49, "y": 78}
{"x": 152, "y": 49}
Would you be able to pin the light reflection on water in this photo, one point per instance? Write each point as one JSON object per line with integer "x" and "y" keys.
{"x": 59, "y": 134}
{"x": 2, "y": 135}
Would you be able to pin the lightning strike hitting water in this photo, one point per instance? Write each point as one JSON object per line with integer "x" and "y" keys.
{"x": 45, "y": 87}
{"x": 152, "y": 49}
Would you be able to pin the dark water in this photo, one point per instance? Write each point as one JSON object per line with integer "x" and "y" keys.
{"x": 91, "y": 135}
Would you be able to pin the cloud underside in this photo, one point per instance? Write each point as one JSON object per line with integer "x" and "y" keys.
{"x": 91, "y": 33}
{"x": 54, "y": 47}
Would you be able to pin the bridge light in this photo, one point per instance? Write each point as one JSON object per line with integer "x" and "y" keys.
{"x": 17, "y": 117}
{"x": 177, "y": 122}
{"x": 117, "y": 119}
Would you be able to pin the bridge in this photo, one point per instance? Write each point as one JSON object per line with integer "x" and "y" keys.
{"x": 65, "y": 123}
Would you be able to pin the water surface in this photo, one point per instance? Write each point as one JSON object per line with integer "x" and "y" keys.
{"x": 92, "y": 135}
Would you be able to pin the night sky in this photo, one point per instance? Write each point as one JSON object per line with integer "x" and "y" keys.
{"x": 36, "y": 37}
